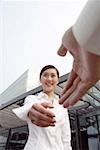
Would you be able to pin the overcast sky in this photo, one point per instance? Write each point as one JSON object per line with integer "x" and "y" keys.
{"x": 30, "y": 34}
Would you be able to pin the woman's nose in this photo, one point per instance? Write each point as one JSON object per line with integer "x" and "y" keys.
{"x": 49, "y": 78}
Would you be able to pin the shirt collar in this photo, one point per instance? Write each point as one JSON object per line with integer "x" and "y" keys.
{"x": 42, "y": 94}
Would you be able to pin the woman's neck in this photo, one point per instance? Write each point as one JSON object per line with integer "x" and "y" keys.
{"x": 50, "y": 94}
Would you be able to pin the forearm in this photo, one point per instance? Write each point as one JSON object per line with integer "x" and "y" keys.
{"x": 22, "y": 112}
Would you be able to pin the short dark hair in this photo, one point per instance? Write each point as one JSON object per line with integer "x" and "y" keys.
{"x": 48, "y": 67}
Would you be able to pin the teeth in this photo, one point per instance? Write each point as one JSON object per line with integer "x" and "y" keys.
{"x": 49, "y": 84}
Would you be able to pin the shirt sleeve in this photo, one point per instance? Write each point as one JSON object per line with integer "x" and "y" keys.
{"x": 22, "y": 111}
{"x": 66, "y": 133}
{"x": 87, "y": 27}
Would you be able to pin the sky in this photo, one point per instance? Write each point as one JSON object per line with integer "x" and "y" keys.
{"x": 30, "y": 35}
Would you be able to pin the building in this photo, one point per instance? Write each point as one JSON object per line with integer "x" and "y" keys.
{"x": 84, "y": 119}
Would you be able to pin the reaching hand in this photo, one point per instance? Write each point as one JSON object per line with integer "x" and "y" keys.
{"x": 85, "y": 72}
{"x": 41, "y": 116}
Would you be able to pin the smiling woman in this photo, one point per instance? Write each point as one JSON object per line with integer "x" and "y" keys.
{"x": 49, "y": 76}
{"x": 48, "y": 123}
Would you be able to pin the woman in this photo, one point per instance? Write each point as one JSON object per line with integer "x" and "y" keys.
{"x": 56, "y": 135}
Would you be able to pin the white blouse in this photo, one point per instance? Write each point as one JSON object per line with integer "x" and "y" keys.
{"x": 48, "y": 138}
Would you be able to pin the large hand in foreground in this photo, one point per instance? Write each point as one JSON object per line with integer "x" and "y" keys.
{"x": 41, "y": 116}
{"x": 85, "y": 72}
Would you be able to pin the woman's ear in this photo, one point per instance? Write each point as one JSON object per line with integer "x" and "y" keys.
{"x": 58, "y": 81}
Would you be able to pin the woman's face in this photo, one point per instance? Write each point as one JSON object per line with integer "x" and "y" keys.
{"x": 49, "y": 80}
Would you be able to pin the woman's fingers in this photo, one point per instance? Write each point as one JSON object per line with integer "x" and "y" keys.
{"x": 41, "y": 116}
{"x": 42, "y": 123}
{"x": 42, "y": 108}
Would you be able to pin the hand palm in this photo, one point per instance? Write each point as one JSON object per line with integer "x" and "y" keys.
{"x": 82, "y": 76}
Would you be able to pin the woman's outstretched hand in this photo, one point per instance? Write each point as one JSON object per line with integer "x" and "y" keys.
{"x": 40, "y": 115}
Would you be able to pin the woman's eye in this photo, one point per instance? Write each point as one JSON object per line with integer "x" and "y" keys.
{"x": 45, "y": 75}
{"x": 53, "y": 76}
